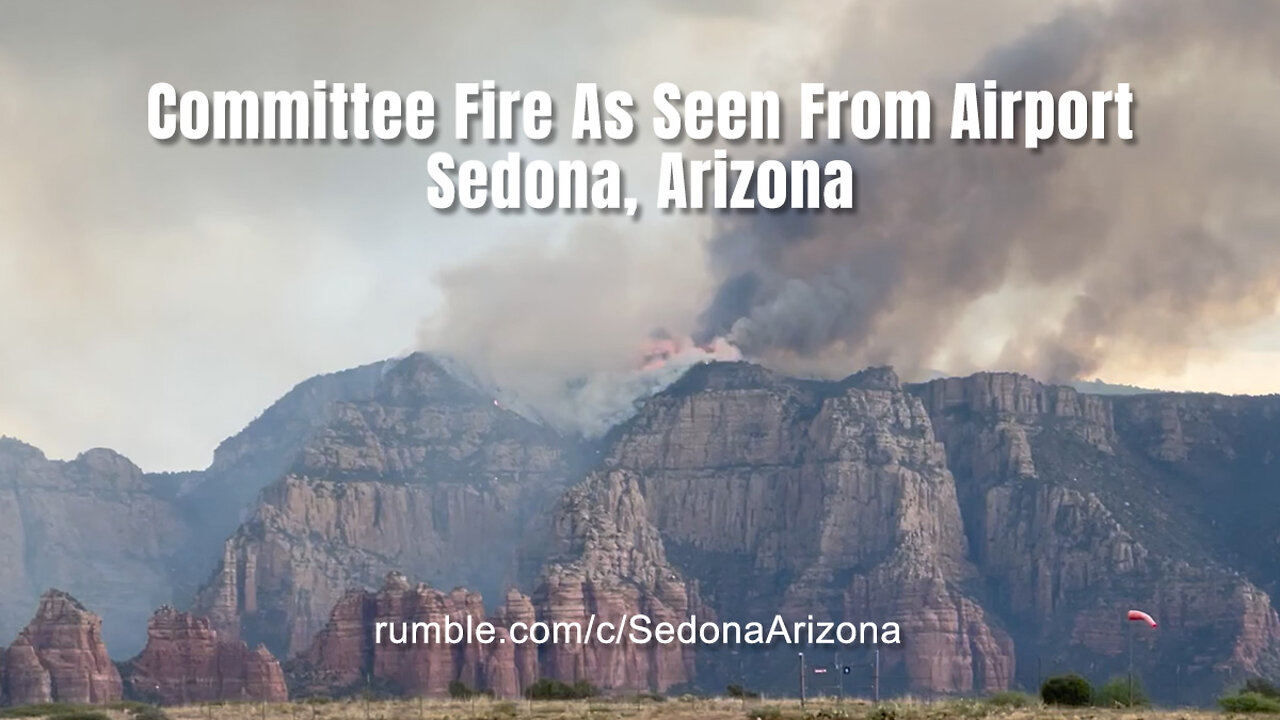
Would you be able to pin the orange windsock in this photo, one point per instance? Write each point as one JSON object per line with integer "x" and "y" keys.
{"x": 1139, "y": 615}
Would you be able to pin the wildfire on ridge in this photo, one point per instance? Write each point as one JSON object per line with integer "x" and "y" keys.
{"x": 663, "y": 349}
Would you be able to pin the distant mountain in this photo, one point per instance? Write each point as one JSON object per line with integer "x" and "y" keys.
{"x": 428, "y": 474}
{"x": 95, "y": 526}
{"x": 1098, "y": 387}
{"x": 127, "y": 542}
{"x": 1078, "y": 507}
{"x": 746, "y": 493}
{"x": 1005, "y": 523}
{"x": 217, "y": 500}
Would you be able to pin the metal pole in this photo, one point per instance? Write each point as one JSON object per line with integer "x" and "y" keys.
{"x": 742, "y": 678}
{"x": 875, "y": 678}
{"x": 801, "y": 681}
{"x": 840, "y": 678}
{"x": 1129, "y": 702}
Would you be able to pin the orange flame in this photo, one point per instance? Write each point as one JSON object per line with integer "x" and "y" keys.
{"x": 661, "y": 351}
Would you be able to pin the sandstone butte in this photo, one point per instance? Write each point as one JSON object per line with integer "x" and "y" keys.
{"x": 60, "y": 657}
{"x": 344, "y": 656}
{"x": 185, "y": 661}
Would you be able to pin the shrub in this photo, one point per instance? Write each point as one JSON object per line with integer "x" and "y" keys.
{"x": 548, "y": 689}
{"x": 1249, "y": 702}
{"x": 741, "y": 693}
{"x": 458, "y": 690}
{"x": 1261, "y": 686}
{"x": 1115, "y": 693}
{"x": 1070, "y": 690}
{"x": 82, "y": 715}
{"x": 1012, "y": 699}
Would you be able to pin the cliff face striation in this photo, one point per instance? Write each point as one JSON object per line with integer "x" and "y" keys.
{"x": 95, "y": 526}
{"x": 430, "y": 476}
{"x": 783, "y": 496}
{"x": 218, "y": 499}
{"x": 127, "y": 542}
{"x": 1079, "y": 507}
{"x": 60, "y": 656}
{"x": 186, "y": 662}
{"x": 983, "y": 515}
{"x": 608, "y": 561}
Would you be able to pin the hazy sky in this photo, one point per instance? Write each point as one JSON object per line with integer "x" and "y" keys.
{"x": 154, "y": 298}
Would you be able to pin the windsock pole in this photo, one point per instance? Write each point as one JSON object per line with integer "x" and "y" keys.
{"x": 1129, "y": 702}
{"x": 801, "y": 681}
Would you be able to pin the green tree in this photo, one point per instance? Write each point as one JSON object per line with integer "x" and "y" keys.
{"x": 458, "y": 690}
{"x": 1070, "y": 690}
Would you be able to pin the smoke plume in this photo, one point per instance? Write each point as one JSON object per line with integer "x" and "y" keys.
{"x": 1126, "y": 257}
{"x": 573, "y": 331}
{"x": 1069, "y": 258}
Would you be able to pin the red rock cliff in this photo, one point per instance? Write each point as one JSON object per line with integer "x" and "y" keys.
{"x": 430, "y": 477}
{"x": 60, "y": 657}
{"x": 186, "y": 662}
{"x": 1079, "y": 507}
{"x": 612, "y": 564}
{"x": 345, "y": 655}
{"x": 780, "y": 496}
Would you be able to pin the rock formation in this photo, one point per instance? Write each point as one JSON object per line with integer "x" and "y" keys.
{"x": 186, "y": 662}
{"x": 779, "y": 495}
{"x": 610, "y": 563}
{"x": 217, "y": 500}
{"x": 127, "y": 542}
{"x": 1079, "y": 507}
{"x": 518, "y": 608}
{"x": 60, "y": 656}
{"x": 95, "y": 526}
{"x": 430, "y": 477}
{"x": 981, "y": 514}
{"x": 350, "y": 653}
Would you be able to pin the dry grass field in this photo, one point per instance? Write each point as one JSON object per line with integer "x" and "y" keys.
{"x": 647, "y": 708}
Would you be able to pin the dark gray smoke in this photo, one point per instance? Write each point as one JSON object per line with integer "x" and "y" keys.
{"x": 1124, "y": 253}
